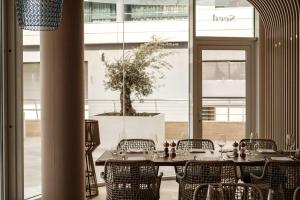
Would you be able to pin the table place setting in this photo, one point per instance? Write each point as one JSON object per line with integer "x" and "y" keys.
{"x": 133, "y": 151}
{"x": 266, "y": 151}
{"x": 194, "y": 150}
{"x": 136, "y": 158}
{"x": 226, "y": 150}
{"x": 282, "y": 158}
{"x": 253, "y": 159}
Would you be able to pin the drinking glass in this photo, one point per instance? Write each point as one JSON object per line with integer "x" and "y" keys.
{"x": 251, "y": 142}
{"x": 221, "y": 142}
{"x": 255, "y": 143}
{"x": 292, "y": 145}
{"x": 151, "y": 154}
{"x": 156, "y": 142}
{"x": 185, "y": 149}
{"x": 113, "y": 150}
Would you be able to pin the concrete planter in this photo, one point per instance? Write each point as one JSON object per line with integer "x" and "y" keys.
{"x": 114, "y": 128}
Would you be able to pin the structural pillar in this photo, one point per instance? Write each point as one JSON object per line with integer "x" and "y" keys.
{"x": 62, "y": 106}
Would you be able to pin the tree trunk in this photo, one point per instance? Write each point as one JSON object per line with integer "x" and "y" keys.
{"x": 129, "y": 110}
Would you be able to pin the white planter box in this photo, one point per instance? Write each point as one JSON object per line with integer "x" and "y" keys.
{"x": 114, "y": 128}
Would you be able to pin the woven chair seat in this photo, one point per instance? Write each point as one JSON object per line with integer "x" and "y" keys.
{"x": 256, "y": 170}
{"x": 188, "y": 144}
{"x": 279, "y": 176}
{"x": 200, "y": 172}
{"x": 143, "y": 144}
{"x": 230, "y": 191}
{"x": 131, "y": 180}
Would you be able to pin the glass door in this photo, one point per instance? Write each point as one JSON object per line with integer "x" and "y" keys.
{"x": 223, "y": 93}
{"x": 225, "y": 82}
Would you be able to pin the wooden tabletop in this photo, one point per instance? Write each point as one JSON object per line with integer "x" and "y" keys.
{"x": 179, "y": 160}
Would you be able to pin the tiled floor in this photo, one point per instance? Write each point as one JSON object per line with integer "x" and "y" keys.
{"x": 168, "y": 191}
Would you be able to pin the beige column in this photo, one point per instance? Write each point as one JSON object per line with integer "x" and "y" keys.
{"x": 62, "y": 107}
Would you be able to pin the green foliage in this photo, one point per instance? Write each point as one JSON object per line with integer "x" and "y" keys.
{"x": 141, "y": 69}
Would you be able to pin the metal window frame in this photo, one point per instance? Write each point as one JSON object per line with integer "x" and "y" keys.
{"x": 12, "y": 103}
{"x": 1, "y": 105}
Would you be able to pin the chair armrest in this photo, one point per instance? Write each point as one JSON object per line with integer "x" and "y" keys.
{"x": 256, "y": 179}
{"x": 102, "y": 175}
{"x": 160, "y": 175}
{"x": 179, "y": 177}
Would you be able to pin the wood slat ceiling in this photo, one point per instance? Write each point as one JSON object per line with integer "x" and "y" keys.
{"x": 281, "y": 68}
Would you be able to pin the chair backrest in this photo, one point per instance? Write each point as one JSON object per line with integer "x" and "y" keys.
{"x": 262, "y": 144}
{"x": 130, "y": 179}
{"x": 187, "y": 144}
{"x": 297, "y": 194}
{"x": 210, "y": 172}
{"x": 237, "y": 191}
{"x": 92, "y": 136}
{"x": 282, "y": 175}
{"x": 144, "y": 144}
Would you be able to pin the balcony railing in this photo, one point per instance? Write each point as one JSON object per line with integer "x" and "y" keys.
{"x": 213, "y": 109}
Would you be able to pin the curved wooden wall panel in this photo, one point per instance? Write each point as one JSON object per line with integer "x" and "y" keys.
{"x": 281, "y": 76}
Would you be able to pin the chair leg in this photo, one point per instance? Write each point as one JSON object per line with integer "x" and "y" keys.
{"x": 179, "y": 193}
{"x": 91, "y": 180}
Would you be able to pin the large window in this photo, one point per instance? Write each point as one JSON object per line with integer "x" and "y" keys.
{"x": 224, "y": 18}
{"x": 113, "y": 33}
{"x": 162, "y": 112}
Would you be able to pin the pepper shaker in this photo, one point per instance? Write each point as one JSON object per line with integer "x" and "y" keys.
{"x": 173, "y": 151}
{"x": 166, "y": 149}
{"x": 243, "y": 150}
{"x": 235, "y": 149}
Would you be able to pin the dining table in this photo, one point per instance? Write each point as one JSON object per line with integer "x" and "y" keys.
{"x": 159, "y": 159}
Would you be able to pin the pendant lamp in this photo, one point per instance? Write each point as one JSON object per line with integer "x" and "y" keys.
{"x": 39, "y": 15}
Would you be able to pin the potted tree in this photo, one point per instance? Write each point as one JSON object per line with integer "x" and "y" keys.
{"x": 134, "y": 75}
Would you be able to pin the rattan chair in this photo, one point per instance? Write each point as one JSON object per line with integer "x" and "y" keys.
{"x": 200, "y": 172}
{"x": 280, "y": 176}
{"x": 144, "y": 144}
{"x": 257, "y": 170}
{"x": 92, "y": 141}
{"x": 131, "y": 180}
{"x": 188, "y": 144}
{"x": 231, "y": 191}
{"x": 262, "y": 144}
{"x": 297, "y": 194}
{"x": 195, "y": 143}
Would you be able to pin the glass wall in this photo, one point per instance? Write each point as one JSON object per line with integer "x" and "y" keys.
{"x": 142, "y": 45}
{"x": 148, "y": 55}
{"x": 117, "y": 38}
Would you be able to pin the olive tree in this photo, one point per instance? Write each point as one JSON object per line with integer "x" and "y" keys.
{"x": 136, "y": 72}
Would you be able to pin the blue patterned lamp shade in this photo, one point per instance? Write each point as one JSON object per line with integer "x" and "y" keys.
{"x": 39, "y": 15}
